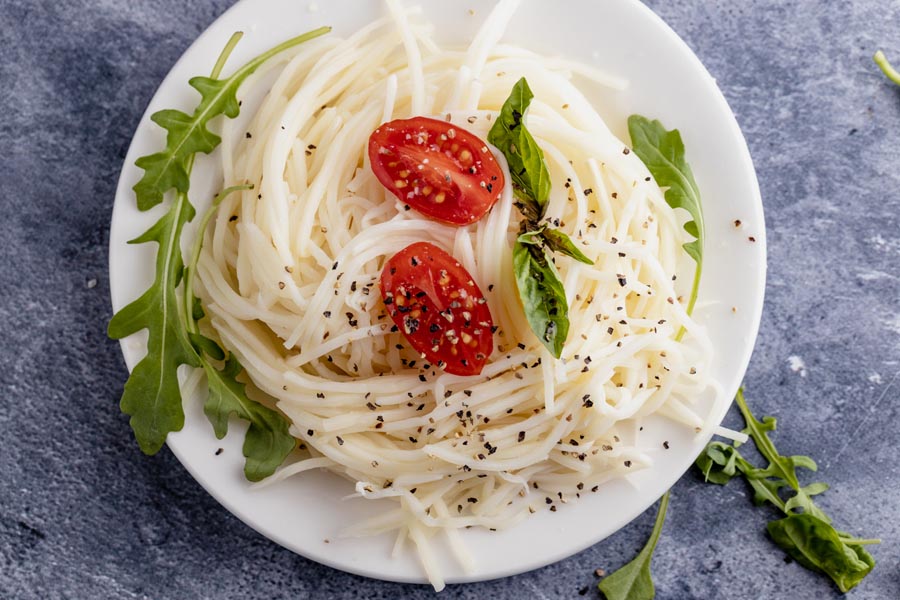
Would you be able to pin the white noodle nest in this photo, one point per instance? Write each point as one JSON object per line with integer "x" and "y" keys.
{"x": 289, "y": 274}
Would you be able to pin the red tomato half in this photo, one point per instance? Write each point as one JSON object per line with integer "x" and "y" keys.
{"x": 439, "y": 308}
{"x": 442, "y": 171}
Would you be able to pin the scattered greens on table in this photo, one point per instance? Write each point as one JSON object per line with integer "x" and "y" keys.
{"x": 805, "y": 532}
{"x": 152, "y": 394}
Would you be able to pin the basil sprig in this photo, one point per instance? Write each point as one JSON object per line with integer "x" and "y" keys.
{"x": 540, "y": 288}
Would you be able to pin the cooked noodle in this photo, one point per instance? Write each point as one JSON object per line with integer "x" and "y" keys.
{"x": 289, "y": 273}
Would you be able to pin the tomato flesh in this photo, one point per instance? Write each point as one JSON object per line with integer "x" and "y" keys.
{"x": 439, "y": 308}
{"x": 446, "y": 173}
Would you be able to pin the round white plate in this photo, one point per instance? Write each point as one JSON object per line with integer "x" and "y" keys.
{"x": 666, "y": 81}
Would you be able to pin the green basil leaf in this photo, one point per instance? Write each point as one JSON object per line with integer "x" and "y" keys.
{"x": 633, "y": 581}
{"x": 530, "y": 177}
{"x": 558, "y": 241}
{"x": 817, "y": 546}
{"x": 541, "y": 292}
{"x": 662, "y": 152}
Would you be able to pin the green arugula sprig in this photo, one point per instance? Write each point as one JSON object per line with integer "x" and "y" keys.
{"x": 186, "y": 135}
{"x": 633, "y": 581}
{"x": 805, "y": 533}
{"x": 152, "y": 395}
{"x": 540, "y": 288}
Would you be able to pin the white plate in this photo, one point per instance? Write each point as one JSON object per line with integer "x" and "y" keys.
{"x": 667, "y": 82}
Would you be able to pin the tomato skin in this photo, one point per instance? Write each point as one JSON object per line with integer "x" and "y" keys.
{"x": 439, "y": 308}
{"x": 443, "y": 171}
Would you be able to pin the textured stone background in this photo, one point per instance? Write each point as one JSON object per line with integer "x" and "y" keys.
{"x": 84, "y": 515}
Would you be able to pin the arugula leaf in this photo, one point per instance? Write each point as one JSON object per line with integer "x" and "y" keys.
{"x": 541, "y": 291}
{"x": 662, "y": 152}
{"x": 530, "y": 177}
{"x": 204, "y": 345}
{"x": 187, "y": 134}
{"x": 802, "y": 501}
{"x": 806, "y": 532}
{"x": 558, "y": 241}
{"x": 817, "y": 546}
{"x": 886, "y": 68}
{"x": 268, "y": 441}
{"x": 633, "y": 581}
{"x": 152, "y": 395}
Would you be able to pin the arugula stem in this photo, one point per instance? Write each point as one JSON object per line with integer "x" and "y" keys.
{"x": 191, "y": 268}
{"x": 226, "y": 52}
{"x": 633, "y": 581}
{"x": 695, "y": 289}
{"x": 294, "y": 41}
{"x": 660, "y": 519}
{"x": 181, "y": 198}
{"x": 763, "y": 442}
{"x": 692, "y": 301}
{"x": 886, "y": 67}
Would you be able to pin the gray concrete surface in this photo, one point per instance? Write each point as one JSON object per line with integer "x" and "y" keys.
{"x": 84, "y": 515}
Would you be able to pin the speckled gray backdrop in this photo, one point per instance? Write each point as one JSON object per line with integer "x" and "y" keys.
{"x": 84, "y": 515}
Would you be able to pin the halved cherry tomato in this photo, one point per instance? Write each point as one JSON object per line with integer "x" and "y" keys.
{"x": 439, "y": 169}
{"x": 439, "y": 308}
